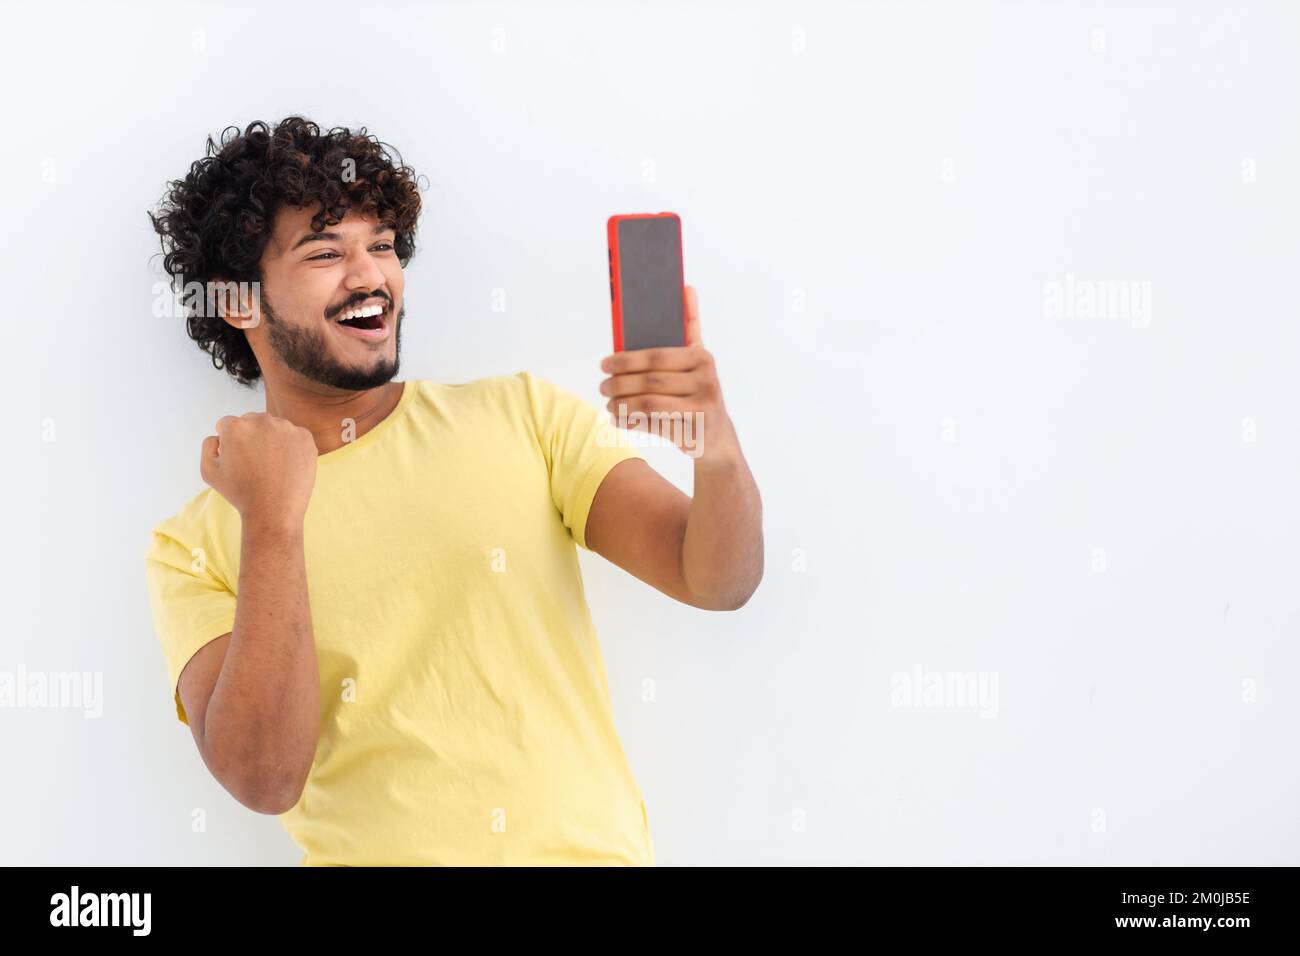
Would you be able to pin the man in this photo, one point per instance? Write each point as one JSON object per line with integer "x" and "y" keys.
{"x": 374, "y": 620}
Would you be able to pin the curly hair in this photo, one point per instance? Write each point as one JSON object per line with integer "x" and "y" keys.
{"x": 215, "y": 223}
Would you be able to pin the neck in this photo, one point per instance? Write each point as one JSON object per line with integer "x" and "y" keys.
{"x": 327, "y": 415}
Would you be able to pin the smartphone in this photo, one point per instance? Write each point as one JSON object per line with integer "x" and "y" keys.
{"x": 647, "y": 291}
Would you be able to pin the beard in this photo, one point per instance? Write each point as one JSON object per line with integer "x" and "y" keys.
{"x": 306, "y": 351}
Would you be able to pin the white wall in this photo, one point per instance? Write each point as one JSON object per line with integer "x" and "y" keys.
{"x": 877, "y": 199}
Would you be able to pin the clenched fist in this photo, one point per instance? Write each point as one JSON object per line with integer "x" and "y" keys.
{"x": 263, "y": 465}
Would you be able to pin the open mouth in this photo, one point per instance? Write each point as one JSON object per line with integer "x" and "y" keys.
{"x": 370, "y": 318}
{"x": 369, "y": 324}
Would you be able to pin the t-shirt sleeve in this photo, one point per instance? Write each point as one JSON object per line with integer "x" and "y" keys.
{"x": 580, "y": 445}
{"x": 191, "y": 604}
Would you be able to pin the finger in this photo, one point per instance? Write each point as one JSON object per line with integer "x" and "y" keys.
{"x": 666, "y": 406}
{"x": 656, "y": 382}
{"x": 209, "y": 456}
{"x": 692, "y": 317}
{"x": 670, "y": 358}
{"x": 223, "y": 424}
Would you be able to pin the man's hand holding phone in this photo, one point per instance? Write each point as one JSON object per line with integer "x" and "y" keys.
{"x": 705, "y": 549}
{"x": 672, "y": 391}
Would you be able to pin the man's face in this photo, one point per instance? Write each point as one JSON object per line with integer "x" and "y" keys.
{"x": 311, "y": 281}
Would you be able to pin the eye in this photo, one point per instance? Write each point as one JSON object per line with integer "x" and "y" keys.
{"x": 383, "y": 245}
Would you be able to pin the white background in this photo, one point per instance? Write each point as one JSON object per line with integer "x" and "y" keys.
{"x": 875, "y": 199}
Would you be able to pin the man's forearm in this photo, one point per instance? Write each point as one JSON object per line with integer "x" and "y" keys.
{"x": 263, "y": 718}
{"x": 722, "y": 549}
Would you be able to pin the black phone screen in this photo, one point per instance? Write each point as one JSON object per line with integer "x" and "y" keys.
{"x": 650, "y": 275}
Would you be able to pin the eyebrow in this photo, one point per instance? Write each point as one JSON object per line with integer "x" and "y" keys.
{"x": 335, "y": 236}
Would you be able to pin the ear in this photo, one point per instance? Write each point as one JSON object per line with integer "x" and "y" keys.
{"x": 237, "y": 303}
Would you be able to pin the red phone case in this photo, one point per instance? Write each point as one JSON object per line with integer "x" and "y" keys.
{"x": 615, "y": 290}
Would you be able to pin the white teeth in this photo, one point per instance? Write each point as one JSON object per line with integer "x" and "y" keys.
{"x": 361, "y": 313}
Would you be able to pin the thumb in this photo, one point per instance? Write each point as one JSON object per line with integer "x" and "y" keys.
{"x": 692, "y": 317}
{"x": 209, "y": 456}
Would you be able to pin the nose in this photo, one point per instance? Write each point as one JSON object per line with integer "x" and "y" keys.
{"x": 363, "y": 272}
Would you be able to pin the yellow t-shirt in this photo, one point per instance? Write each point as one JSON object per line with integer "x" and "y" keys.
{"x": 465, "y": 711}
